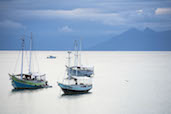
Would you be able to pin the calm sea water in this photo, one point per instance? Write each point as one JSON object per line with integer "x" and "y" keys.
{"x": 124, "y": 83}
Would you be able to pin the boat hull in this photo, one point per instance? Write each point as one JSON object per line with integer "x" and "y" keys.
{"x": 75, "y": 89}
{"x": 68, "y": 92}
{"x": 18, "y": 85}
{"x": 25, "y": 84}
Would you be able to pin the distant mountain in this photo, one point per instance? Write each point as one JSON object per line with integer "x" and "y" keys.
{"x": 130, "y": 40}
{"x": 49, "y": 42}
{"x": 136, "y": 40}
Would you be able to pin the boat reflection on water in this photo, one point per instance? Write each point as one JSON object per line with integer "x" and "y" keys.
{"x": 75, "y": 95}
{"x": 25, "y": 91}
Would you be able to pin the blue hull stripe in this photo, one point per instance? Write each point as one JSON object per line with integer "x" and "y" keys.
{"x": 18, "y": 85}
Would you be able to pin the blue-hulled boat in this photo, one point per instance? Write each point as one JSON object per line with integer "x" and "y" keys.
{"x": 78, "y": 69}
{"x": 75, "y": 89}
{"x": 51, "y": 57}
{"x": 75, "y": 84}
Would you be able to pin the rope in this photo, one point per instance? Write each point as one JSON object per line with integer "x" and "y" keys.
{"x": 17, "y": 61}
{"x": 37, "y": 60}
{"x": 27, "y": 59}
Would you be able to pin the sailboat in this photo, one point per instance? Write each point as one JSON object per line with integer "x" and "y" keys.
{"x": 28, "y": 80}
{"x": 75, "y": 84}
{"x": 78, "y": 69}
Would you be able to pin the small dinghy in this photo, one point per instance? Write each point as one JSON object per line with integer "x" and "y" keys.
{"x": 51, "y": 57}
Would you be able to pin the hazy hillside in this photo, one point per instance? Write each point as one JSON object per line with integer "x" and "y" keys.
{"x": 136, "y": 40}
{"x": 130, "y": 40}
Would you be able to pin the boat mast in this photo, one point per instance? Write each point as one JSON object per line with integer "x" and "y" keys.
{"x": 80, "y": 51}
{"x": 76, "y": 52}
{"x": 69, "y": 62}
{"x": 76, "y": 55}
{"x": 69, "y": 58}
{"x": 23, "y": 40}
{"x": 30, "y": 53}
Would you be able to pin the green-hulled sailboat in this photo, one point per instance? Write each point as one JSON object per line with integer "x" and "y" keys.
{"x": 28, "y": 80}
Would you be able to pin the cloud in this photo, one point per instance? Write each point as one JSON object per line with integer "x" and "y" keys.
{"x": 88, "y": 14}
{"x": 65, "y": 29}
{"x": 115, "y": 13}
{"x": 139, "y": 11}
{"x": 127, "y": 18}
{"x": 162, "y": 11}
{"x": 11, "y": 24}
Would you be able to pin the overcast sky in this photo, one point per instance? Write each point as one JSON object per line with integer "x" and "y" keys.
{"x": 87, "y": 18}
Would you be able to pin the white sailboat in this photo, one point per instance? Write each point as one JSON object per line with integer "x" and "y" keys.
{"x": 28, "y": 80}
{"x": 78, "y": 69}
{"x": 75, "y": 84}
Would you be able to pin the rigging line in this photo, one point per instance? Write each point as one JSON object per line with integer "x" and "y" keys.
{"x": 85, "y": 58}
{"x": 24, "y": 52}
{"x": 64, "y": 77}
{"x": 63, "y": 83}
{"x": 22, "y": 62}
{"x": 14, "y": 65}
{"x": 27, "y": 57}
{"x": 32, "y": 63}
{"x": 37, "y": 60}
{"x": 80, "y": 42}
{"x": 30, "y": 53}
{"x": 17, "y": 61}
{"x": 76, "y": 52}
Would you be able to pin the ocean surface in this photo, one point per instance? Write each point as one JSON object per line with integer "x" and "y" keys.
{"x": 124, "y": 83}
